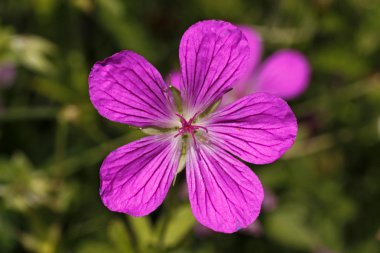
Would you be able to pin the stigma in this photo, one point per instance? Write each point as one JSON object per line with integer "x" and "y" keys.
{"x": 188, "y": 127}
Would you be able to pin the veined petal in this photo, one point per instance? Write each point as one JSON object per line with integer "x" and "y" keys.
{"x": 126, "y": 88}
{"x": 213, "y": 55}
{"x": 258, "y": 128}
{"x": 286, "y": 74}
{"x": 225, "y": 195}
{"x": 135, "y": 178}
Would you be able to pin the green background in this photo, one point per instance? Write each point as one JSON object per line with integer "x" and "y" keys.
{"x": 325, "y": 190}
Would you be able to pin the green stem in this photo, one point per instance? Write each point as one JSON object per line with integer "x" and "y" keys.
{"x": 60, "y": 144}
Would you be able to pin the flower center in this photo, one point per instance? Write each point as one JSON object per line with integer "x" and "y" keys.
{"x": 189, "y": 127}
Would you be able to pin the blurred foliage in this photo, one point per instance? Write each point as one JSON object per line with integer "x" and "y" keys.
{"x": 52, "y": 141}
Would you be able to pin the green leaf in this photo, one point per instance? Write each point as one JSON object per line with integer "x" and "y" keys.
{"x": 178, "y": 226}
{"x": 95, "y": 247}
{"x": 120, "y": 237}
{"x": 288, "y": 226}
{"x": 54, "y": 91}
{"x": 143, "y": 231}
{"x": 34, "y": 52}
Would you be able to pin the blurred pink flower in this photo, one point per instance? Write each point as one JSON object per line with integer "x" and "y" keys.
{"x": 270, "y": 201}
{"x": 285, "y": 73}
{"x": 255, "y": 229}
{"x": 7, "y": 74}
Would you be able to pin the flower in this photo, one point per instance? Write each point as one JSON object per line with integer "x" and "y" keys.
{"x": 225, "y": 195}
{"x": 285, "y": 73}
{"x": 7, "y": 74}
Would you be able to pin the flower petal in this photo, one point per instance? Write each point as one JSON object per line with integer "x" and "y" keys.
{"x": 285, "y": 74}
{"x": 135, "y": 178}
{"x": 243, "y": 86}
{"x": 213, "y": 55}
{"x": 255, "y": 49}
{"x": 175, "y": 79}
{"x": 126, "y": 88}
{"x": 225, "y": 195}
{"x": 258, "y": 128}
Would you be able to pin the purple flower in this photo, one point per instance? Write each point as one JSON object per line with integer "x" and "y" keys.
{"x": 285, "y": 74}
{"x": 270, "y": 201}
{"x": 225, "y": 195}
{"x": 7, "y": 74}
{"x": 255, "y": 229}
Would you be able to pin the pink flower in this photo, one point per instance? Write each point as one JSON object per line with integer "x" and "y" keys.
{"x": 7, "y": 74}
{"x": 225, "y": 195}
{"x": 285, "y": 73}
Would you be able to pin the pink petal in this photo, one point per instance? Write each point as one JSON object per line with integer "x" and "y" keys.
{"x": 255, "y": 46}
{"x": 126, "y": 88}
{"x": 175, "y": 79}
{"x": 135, "y": 178}
{"x": 258, "y": 128}
{"x": 243, "y": 86}
{"x": 8, "y": 72}
{"x": 213, "y": 55}
{"x": 285, "y": 74}
{"x": 225, "y": 195}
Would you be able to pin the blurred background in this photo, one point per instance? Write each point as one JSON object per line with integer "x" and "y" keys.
{"x": 323, "y": 196}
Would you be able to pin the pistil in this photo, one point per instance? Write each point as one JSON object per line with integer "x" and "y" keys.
{"x": 188, "y": 127}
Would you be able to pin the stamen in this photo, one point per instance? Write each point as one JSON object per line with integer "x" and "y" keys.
{"x": 179, "y": 133}
{"x": 200, "y": 127}
{"x": 193, "y": 118}
{"x": 187, "y": 127}
{"x": 183, "y": 120}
